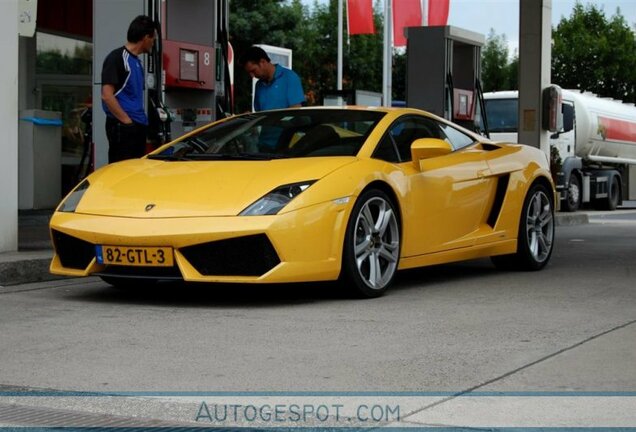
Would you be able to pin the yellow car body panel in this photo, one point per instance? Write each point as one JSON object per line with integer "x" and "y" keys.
{"x": 445, "y": 205}
{"x": 186, "y": 190}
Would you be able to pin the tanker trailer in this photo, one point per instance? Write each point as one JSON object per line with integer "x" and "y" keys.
{"x": 595, "y": 147}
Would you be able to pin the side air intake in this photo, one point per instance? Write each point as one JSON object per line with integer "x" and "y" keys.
{"x": 500, "y": 194}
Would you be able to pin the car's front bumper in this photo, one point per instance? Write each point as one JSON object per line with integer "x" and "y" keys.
{"x": 307, "y": 244}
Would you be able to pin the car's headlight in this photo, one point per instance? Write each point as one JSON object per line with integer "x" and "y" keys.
{"x": 72, "y": 200}
{"x": 275, "y": 200}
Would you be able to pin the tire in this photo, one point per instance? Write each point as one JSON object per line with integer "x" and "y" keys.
{"x": 371, "y": 251}
{"x": 535, "y": 240}
{"x": 613, "y": 196}
{"x": 573, "y": 199}
{"x": 123, "y": 283}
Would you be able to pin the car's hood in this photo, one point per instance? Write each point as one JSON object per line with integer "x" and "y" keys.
{"x": 147, "y": 188}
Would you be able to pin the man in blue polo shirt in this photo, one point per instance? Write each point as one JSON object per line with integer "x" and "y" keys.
{"x": 277, "y": 86}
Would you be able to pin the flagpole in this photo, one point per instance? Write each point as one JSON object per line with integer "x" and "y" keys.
{"x": 340, "y": 27}
{"x": 424, "y": 6}
{"x": 388, "y": 55}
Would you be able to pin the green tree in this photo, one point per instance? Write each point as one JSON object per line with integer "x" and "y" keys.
{"x": 363, "y": 58}
{"x": 399, "y": 77}
{"x": 317, "y": 60}
{"x": 593, "y": 53}
{"x": 54, "y": 62}
{"x": 513, "y": 73}
{"x": 495, "y": 73}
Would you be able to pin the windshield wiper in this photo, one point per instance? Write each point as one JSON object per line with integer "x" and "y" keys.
{"x": 235, "y": 156}
{"x": 169, "y": 157}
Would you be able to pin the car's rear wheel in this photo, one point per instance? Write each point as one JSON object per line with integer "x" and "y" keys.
{"x": 536, "y": 233}
{"x": 372, "y": 245}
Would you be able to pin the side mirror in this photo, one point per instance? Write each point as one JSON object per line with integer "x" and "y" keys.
{"x": 568, "y": 117}
{"x": 552, "y": 102}
{"x": 426, "y": 148}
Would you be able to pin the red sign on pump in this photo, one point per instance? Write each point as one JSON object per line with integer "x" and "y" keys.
{"x": 188, "y": 65}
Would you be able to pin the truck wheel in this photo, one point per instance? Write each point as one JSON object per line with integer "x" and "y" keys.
{"x": 372, "y": 245}
{"x": 613, "y": 195}
{"x": 573, "y": 199}
{"x": 536, "y": 233}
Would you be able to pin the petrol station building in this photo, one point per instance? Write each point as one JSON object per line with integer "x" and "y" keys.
{"x": 53, "y": 50}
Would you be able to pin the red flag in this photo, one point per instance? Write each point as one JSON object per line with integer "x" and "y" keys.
{"x": 438, "y": 12}
{"x": 406, "y": 13}
{"x": 360, "y": 16}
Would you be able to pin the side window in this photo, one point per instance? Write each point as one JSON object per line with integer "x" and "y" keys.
{"x": 402, "y": 134}
{"x": 456, "y": 138}
{"x": 386, "y": 150}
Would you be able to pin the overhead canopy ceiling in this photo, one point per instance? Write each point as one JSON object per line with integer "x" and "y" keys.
{"x": 67, "y": 17}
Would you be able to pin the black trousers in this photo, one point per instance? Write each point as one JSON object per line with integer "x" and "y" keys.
{"x": 125, "y": 141}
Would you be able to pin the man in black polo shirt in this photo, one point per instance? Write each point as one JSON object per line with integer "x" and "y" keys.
{"x": 123, "y": 92}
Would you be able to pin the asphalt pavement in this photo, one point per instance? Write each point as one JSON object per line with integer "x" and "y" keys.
{"x": 457, "y": 347}
{"x": 30, "y": 263}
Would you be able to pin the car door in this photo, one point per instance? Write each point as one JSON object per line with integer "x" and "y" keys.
{"x": 447, "y": 194}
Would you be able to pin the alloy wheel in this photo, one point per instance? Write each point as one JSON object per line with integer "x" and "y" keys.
{"x": 540, "y": 226}
{"x": 376, "y": 243}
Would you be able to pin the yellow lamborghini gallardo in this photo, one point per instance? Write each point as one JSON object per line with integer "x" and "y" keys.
{"x": 309, "y": 194}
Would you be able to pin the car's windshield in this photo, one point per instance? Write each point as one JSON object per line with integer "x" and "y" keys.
{"x": 278, "y": 134}
{"x": 502, "y": 115}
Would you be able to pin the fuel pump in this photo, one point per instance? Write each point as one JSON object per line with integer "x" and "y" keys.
{"x": 187, "y": 73}
{"x": 158, "y": 115}
{"x": 225, "y": 102}
{"x": 194, "y": 62}
{"x": 451, "y": 86}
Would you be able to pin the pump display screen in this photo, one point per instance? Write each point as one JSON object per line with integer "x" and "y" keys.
{"x": 188, "y": 65}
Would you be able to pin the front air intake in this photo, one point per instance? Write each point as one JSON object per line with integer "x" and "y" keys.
{"x": 138, "y": 272}
{"x": 241, "y": 256}
{"x": 73, "y": 252}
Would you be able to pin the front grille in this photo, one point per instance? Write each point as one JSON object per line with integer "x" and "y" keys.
{"x": 241, "y": 256}
{"x": 73, "y": 252}
{"x": 141, "y": 272}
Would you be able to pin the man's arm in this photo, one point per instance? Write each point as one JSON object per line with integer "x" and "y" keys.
{"x": 108, "y": 96}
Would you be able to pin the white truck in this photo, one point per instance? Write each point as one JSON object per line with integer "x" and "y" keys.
{"x": 596, "y": 147}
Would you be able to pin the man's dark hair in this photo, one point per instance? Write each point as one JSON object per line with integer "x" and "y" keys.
{"x": 254, "y": 55}
{"x": 141, "y": 26}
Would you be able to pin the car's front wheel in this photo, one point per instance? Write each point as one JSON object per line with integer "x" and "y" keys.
{"x": 372, "y": 245}
{"x": 536, "y": 233}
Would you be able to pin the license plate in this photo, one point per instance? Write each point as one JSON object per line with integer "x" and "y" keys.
{"x": 135, "y": 256}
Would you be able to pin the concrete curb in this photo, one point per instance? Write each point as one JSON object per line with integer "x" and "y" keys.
{"x": 23, "y": 267}
{"x": 568, "y": 219}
